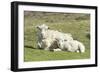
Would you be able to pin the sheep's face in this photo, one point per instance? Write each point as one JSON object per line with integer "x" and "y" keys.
{"x": 60, "y": 43}
{"x": 42, "y": 29}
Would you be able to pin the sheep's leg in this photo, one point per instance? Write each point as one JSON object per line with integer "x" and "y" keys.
{"x": 39, "y": 45}
{"x": 47, "y": 46}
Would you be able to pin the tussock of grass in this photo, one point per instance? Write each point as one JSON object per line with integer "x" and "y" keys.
{"x": 76, "y": 24}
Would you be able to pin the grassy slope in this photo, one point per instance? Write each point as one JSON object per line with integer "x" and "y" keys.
{"x": 76, "y": 24}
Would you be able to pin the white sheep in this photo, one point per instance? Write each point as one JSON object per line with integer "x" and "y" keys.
{"x": 50, "y": 35}
{"x": 72, "y": 46}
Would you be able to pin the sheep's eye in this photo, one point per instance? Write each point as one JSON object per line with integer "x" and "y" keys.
{"x": 65, "y": 40}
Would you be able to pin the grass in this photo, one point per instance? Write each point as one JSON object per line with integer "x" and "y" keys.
{"x": 76, "y": 24}
{"x": 41, "y": 55}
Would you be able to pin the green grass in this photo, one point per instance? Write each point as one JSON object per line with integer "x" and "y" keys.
{"x": 42, "y": 55}
{"x": 76, "y": 24}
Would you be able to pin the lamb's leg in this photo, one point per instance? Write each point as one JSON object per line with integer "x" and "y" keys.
{"x": 81, "y": 48}
{"x": 68, "y": 48}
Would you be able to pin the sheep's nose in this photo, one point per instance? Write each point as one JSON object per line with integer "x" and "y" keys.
{"x": 42, "y": 36}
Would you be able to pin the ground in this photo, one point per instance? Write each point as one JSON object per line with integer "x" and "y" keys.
{"x": 77, "y": 24}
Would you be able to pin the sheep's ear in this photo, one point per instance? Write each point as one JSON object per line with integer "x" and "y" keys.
{"x": 37, "y": 27}
{"x": 48, "y": 27}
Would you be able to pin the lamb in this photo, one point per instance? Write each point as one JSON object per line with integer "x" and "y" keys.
{"x": 71, "y": 46}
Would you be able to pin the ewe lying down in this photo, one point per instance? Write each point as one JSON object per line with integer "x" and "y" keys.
{"x": 57, "y": 41}
{"x": 44, "y": 33}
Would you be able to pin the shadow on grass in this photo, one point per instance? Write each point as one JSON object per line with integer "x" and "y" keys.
{"x": 27, "y": 46}
{"x": 31, "y": 47}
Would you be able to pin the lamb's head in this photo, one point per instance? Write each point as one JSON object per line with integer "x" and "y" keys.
{"x": 42, "y": 29}
{"x": 60, "y": 42}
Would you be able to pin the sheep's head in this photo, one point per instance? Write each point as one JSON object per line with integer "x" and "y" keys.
{"x": 60, "y": 42}
{"x": 42, "y": 29}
